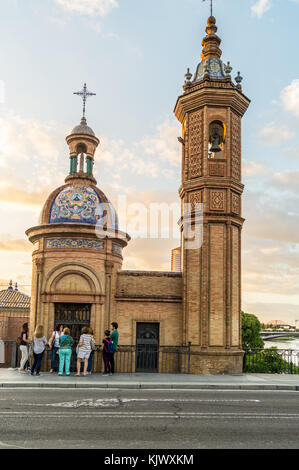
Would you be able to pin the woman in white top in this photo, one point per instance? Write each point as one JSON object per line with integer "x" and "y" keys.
{"x": 39, "y": 344}
{"x": 85, "y": 346}
{"x": 54, "y": 344}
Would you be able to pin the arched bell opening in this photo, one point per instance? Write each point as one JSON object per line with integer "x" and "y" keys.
{"x": 81, "y": 161}
{"x": 217, "y": 135}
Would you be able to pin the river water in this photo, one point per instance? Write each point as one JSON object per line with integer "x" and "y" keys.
{"x": 287, "y": 345}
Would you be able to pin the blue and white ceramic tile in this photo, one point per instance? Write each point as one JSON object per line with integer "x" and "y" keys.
{"x": 76, "y": 204}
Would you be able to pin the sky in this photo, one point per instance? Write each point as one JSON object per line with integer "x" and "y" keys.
{"x": 134, "y": 54}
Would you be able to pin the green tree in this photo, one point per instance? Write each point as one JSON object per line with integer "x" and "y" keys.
{"x": 251, "y": 329}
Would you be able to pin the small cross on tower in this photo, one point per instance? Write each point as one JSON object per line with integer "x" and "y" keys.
{"x": 211, "y": 6}
{"x": 84, "y": 93}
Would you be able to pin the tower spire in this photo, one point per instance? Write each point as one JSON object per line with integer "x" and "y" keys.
{"x": 211, "y": 42}
{"x": 211, "y": 6}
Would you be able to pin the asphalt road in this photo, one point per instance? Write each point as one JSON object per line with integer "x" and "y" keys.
{"x": 148, "y": 419}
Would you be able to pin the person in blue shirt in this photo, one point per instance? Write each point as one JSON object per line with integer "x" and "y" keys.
{"x": 65, "y": 351}
{"x": 114, "y": 336}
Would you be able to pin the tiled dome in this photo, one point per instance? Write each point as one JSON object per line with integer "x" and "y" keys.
{"x": 214, "y": 67}
{"x": 81, "y": 204}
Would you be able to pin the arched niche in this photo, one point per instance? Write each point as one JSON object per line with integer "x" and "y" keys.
{"x": 61, "y": 276}
{"x": 72, "y": 283}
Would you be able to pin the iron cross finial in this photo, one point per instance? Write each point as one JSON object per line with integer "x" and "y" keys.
{"x": 84, "y": 93}
{"x": 211, "y": 6}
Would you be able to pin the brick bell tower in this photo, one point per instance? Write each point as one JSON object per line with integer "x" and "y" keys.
{"x": 210, "y": 111}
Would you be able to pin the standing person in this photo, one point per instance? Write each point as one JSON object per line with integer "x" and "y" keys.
{"x": 39, "y": 344}
{"x": 24, "y": 348}
{"x": 54, "y": 344}
{"x": 90, "y": 360}
{"x": 84, "y": 350}
{"x": 108, "y": 353}
{"x": 114, "y": 336}
{"x": 65, "y": 351}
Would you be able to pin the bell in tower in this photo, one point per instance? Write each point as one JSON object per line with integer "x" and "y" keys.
{"x": 216, "y": 140}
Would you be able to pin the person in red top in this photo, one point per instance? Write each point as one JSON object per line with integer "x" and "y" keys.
{"x": 108, "y": 350}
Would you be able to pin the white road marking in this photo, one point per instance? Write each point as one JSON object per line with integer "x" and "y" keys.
{"x": 108, "y": 402}
{"x": 155, "y": 415}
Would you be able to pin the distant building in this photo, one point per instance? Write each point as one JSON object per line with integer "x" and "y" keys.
{"x": 14, "y": 312}
{"x": 176, "y": 260}
{"x": 278, "y": 324}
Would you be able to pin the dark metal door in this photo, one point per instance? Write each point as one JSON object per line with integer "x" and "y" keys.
{"x": 147, "y": 347}
{"x": 74, "y": 317}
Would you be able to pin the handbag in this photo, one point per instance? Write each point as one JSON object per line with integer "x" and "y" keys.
{"x": 53, "y": 342}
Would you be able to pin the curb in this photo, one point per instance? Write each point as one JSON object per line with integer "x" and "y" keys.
{"x": 141, "y": 386}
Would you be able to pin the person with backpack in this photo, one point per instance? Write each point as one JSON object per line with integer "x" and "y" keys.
{"x": 108, "y": 352}
{"x": 65, "y": 351}
{"x": 54, "y": 344}
{"x": 23, "y": 343}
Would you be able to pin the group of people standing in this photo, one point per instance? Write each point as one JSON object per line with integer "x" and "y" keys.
{"x": 61, "y": 344}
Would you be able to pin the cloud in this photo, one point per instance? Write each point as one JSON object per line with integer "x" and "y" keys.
{"x": 150, "y": 156}
{"x": 17, "y": 245}
{"x": 165, "y": 144}
{"x": 273, "y": 135}
{"x": 290, "y": 98}
{"x": 136, "y": 255}
{"x": 251, "y": 168}
{"x": 88, "y": 7}
{"x": 14, "y": 194}
{"x": 22, "y": 139}
{"x": 271, "y": 215}
{"x": 287, "y": 181}
{"x": 270, "y": 267}
{"x": 267, "y": 311}
{"x": 261, "y": 7}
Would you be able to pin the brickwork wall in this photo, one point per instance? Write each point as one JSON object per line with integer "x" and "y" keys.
{"x": 149, "y": 297}
{"x": 217, "y": 286}
{"x": 235, "y": 286}
{"x": 149, "y": 283}
{"x": 11, "y": 324}
{"x": 169, "y": 315}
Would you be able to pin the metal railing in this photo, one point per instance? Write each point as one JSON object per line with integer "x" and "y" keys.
{"x": 271, "y": 361}
{"x": 128, "y": 359}
{"x": 163, "y": 360}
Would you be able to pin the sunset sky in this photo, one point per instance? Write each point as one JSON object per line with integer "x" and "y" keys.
{"x": 134, "y": 54}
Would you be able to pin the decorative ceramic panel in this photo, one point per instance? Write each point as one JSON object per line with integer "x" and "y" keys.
{"x": 76, "y": 204}
{"x": 195, "y": 144}
{"x": 236, "y": 147}
{"x": 236, "y": 203}
{"x": 75, "y": 243}
{"x": 217, "y": 200}
{"x": 214, "y": 67}
{"x": 116, "y": 249}
{"x": 195, "y": 198}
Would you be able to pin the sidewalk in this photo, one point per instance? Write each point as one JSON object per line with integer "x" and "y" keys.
{"x": 13, "y": 378}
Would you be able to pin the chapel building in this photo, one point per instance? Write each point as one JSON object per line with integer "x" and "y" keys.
{"x": 78, "y": 252}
